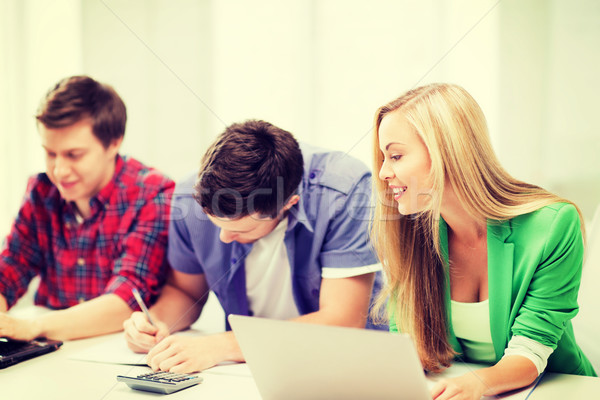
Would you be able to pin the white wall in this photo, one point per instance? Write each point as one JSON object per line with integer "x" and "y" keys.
{"x": 549, "y": 82}
{"x": 318, "y": 68}
{"x": 571, "y": 137}
{"x": 40, "y": 42}
{"x": 158, "y": 56}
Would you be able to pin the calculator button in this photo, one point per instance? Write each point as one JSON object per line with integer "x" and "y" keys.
{"x": 160, "y": 382}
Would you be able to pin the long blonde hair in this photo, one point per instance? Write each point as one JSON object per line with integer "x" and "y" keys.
{"x": 454, "y": 130}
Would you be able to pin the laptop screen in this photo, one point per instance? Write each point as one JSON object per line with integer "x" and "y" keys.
{"x": 297, "y": 361}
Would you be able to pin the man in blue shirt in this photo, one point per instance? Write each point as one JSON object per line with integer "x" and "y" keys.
{"x": 275, "y": 230}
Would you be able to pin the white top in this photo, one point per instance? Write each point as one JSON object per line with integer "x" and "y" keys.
{"x": 472, "y": 320}
{"x": 336, "y": 273}
{"x": 536, "y": 352}
{"x": 471, "y": 323}
{"x": 268, "y": 276}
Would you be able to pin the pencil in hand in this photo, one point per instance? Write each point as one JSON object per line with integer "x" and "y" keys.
{"x": 142, "y": 305}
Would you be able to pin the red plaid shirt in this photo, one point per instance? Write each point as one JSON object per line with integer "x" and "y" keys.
{"x": 122, "y": 244}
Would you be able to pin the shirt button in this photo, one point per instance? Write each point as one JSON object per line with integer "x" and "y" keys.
{"x": 233, "y": 260}
{"x": 80, "y": 262}
{"x": 312, "y": 175}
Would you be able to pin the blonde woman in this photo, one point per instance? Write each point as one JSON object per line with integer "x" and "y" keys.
{"x": 480, "y": 266}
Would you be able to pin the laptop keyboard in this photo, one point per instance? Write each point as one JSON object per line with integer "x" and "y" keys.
{"x": 10, "y": 346}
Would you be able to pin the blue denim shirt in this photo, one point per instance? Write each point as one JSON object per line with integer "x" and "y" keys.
{"x": 327, "y": 228}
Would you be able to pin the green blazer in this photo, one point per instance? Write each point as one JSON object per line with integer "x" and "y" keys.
{"x": 534, "y": 273}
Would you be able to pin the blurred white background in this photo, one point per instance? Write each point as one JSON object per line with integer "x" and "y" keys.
{"x": 318, "y": 68}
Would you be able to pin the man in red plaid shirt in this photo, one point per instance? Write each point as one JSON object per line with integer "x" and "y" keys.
{"x": 93, "y": 227}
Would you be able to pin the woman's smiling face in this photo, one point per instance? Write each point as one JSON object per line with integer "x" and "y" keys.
{"x": 406, "y": 163}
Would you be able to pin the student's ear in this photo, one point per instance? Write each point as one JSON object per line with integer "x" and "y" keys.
{"x": 114, "y": 146}
{"x": 291, "y": 202}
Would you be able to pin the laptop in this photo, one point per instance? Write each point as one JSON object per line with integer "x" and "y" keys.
{"x": 293, "y": 360}
{"x": 14, "y": 351}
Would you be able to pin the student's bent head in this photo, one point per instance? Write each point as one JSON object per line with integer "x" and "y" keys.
{"x": 79, "y": 98}
{"x": 253, "y": 169}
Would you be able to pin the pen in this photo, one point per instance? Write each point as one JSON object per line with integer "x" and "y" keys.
{"x": 142, "y": 305}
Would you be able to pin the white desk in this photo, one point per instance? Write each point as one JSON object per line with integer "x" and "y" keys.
{"x": 563, "y": 386}
{"x": 58, "y": 376}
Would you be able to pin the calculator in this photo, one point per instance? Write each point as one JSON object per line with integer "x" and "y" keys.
{"x": 160, "y": 382}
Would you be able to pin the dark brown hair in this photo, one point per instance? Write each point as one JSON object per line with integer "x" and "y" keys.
{"x": 78, "y": 97}
{"x": 252, "y": 167}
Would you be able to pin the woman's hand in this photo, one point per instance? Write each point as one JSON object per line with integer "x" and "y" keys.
{"x": 510, "y": 373}
{"x": 466, "y": 387}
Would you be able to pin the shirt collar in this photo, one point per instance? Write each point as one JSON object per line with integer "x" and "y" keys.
{"x": 103, "y": 196}
{"x": 297, "y": 214}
